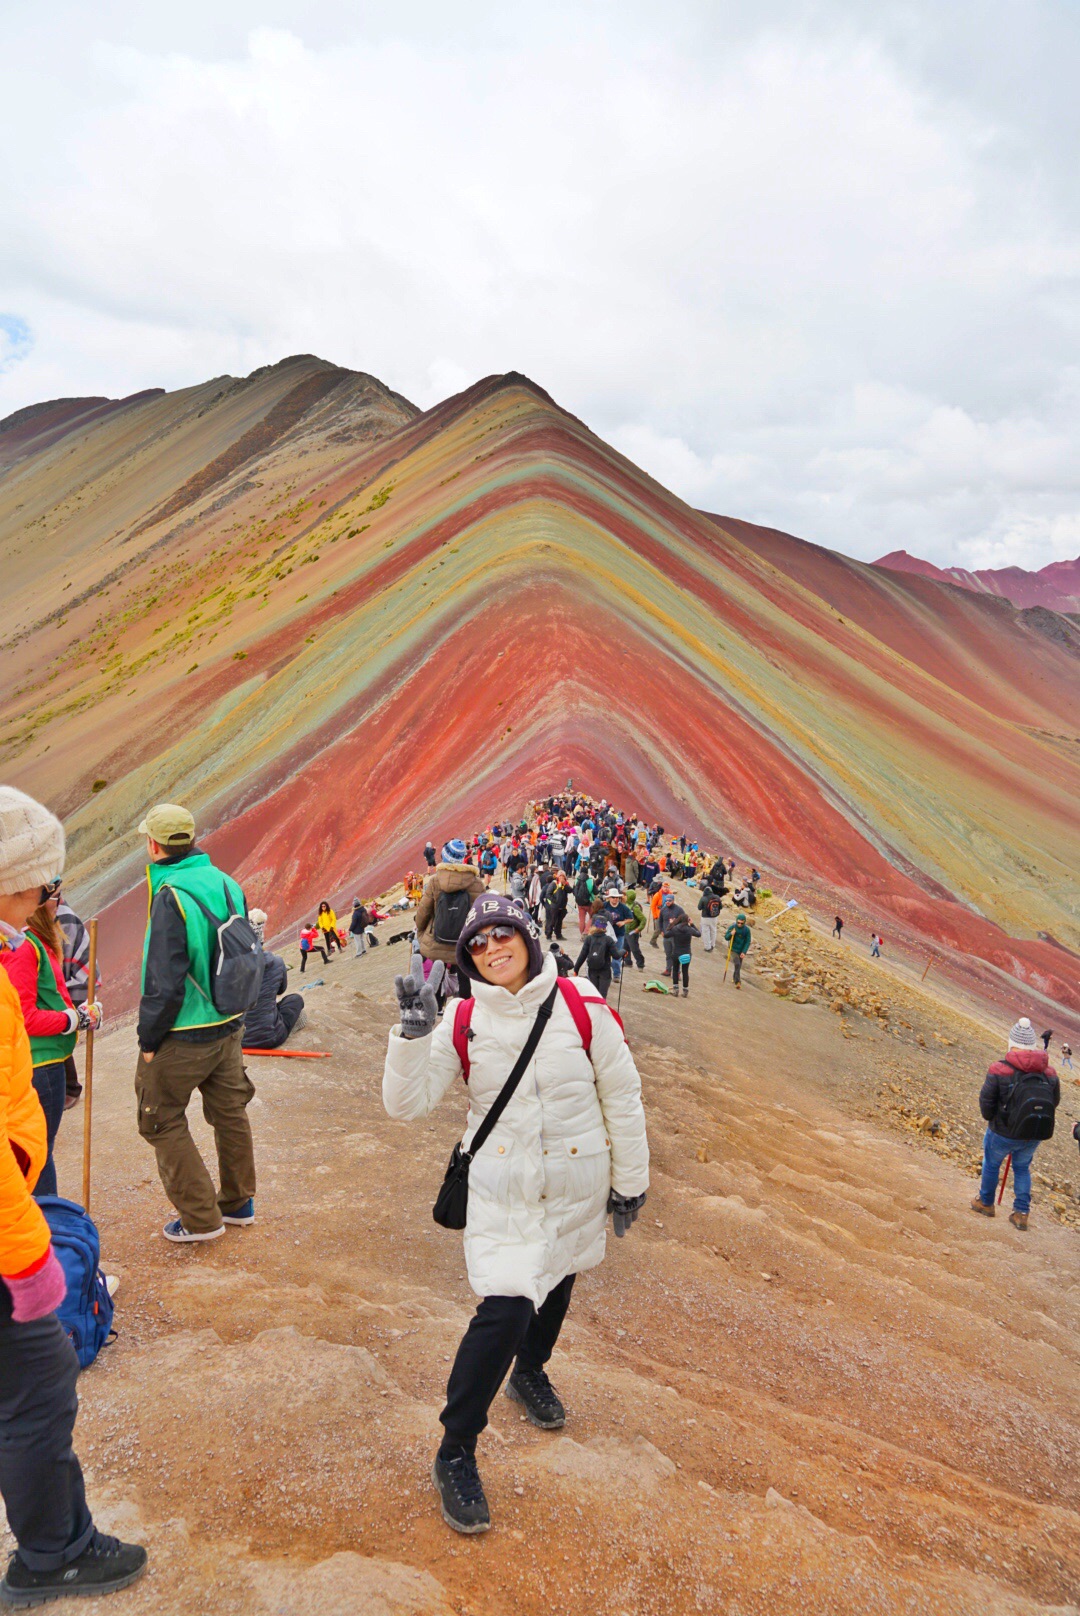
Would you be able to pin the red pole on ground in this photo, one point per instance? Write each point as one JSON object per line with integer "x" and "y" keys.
{"x": 292, "y": 1054}
{"x": 1004, "y": 1178}
{"x": 928, "y": 965}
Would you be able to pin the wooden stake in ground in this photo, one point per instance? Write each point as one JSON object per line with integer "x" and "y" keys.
{"x": 88, "y": 1079}
{"x": 928, "y": 965}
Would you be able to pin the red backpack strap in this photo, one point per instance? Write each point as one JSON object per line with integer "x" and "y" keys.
{"x": 462, "y": 1018}
{"x": 576, "y": 1004}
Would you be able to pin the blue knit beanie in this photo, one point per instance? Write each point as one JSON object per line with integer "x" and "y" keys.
{"x": 454, "y": 852}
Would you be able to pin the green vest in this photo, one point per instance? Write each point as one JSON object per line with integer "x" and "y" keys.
{"x": 57, "y": 1046}
{"x": 196, "y": 877}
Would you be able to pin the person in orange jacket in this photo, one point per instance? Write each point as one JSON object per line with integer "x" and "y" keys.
{"x": 59, "y": 1550}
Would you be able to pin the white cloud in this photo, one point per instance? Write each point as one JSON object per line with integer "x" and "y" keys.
{"x": 802, "y": 272}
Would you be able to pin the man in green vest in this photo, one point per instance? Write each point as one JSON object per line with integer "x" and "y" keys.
{"x": 184, "y": 1042}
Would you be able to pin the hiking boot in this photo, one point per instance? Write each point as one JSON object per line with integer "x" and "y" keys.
{"x": 538, "y": 1397}
{"x": 301, "y": 1020}
{"x": 104, "y": 1566}
{"x": 979, "y": 1205}
{"x": 1018, "y": 1220}
{"x": 458, "y": 1483}
{"x": 686, "y": 993}
{"x": 243, "y": 1215}
{"x": 176, "y": 1232}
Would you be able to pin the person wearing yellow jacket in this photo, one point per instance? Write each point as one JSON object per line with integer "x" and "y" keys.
{"x": 60, "y": 1552}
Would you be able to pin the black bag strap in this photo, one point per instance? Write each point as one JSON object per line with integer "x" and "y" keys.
{"x": 506, "y": 1093}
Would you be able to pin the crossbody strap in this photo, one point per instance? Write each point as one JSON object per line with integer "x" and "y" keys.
{"x": 536, "y": 1031}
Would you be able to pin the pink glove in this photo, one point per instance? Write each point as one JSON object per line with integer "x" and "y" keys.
{"x": 38, "y": 1294}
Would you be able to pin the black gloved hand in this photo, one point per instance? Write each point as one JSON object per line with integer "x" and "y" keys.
{"x": 624, "y": 1210}
{"x": 419, "y": 1007}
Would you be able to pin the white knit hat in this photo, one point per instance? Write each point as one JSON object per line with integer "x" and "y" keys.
{"x": 31, "y": 843}
{"x": 1022, "y": 1035}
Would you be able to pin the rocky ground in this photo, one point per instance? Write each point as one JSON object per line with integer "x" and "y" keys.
{"x": 810, "y": 1380}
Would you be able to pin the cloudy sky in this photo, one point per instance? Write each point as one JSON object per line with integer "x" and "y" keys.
{"x": 812, "y": 264}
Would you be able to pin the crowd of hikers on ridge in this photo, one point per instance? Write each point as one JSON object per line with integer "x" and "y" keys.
{"x": 555, "y": 1142}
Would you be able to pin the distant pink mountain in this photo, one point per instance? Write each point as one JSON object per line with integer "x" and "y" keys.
{"x": 1056, "y": 586}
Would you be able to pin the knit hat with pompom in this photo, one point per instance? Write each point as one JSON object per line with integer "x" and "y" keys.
{"x": 1022, "y": 1035}
{"x": 31, "y": 843}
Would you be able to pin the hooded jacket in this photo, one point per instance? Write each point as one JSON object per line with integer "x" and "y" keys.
{"x": 445, "y": 878}
{"x": 573, "y": 1132}
{"x": 1002, "y": 1077}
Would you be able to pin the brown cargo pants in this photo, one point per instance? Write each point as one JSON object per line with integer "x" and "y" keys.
{"x": 163, "y": 1091}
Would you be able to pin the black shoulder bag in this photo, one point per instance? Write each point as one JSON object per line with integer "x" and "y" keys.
{"x": 452, "y": 1201}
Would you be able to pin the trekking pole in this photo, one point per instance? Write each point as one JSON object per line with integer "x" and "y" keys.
{"x": 727, "y": 962}
{"x": 88, "y": 1099}
{"x": 618, "y": 1003}
{"x": 1004, "y": 1179}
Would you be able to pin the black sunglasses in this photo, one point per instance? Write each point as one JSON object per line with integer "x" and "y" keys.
{"x": 50, "y": 889}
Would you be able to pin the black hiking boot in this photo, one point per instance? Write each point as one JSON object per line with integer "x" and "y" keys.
{"x": 457, "y": 1480}
{"x": 538, "y": 1397}
{"x": 104, "y": 1566}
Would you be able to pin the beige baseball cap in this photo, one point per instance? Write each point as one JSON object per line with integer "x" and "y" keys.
{"x": 168, "y": 825}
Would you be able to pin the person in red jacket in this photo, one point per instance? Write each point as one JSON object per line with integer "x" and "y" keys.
{"x": 52, "y": 1021}
{"x": 59, "y": 1552}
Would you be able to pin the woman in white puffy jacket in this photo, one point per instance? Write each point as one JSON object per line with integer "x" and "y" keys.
{"x": 569, "y": 1148}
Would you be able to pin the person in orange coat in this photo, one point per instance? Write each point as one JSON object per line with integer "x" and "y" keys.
{"x": 59, "y": 1550}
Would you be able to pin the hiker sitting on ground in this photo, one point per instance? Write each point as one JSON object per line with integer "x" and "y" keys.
{"x": 740, "y": 937}
{"x": 271, "y": 1018}
{"x": 569, "y": 1148}
{"x": 1018, "y": 1100}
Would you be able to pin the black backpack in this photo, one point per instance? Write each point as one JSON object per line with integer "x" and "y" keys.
{"x": 237, "y": 960}
{"x": 582, "y": 895}
{"x": 598, "y": 949}
{"x": 451, "y": 910}
{"x": 1027, "y": 1110}
{"x": 712, "y": 906}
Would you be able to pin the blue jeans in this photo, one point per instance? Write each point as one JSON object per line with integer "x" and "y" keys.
{"x": 995, "y": 1150}
{"x": 50, "y": 1083}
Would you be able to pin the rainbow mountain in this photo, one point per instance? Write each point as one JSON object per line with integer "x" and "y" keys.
{"x": 333, "y": 625}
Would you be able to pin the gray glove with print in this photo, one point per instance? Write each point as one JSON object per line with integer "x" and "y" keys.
{"x": 418, "y": 1001}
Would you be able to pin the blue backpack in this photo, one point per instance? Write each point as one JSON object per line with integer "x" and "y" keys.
{"x": 86, "y": 1312}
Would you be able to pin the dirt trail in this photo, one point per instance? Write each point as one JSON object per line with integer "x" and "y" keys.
{"x": 810, "y": 1380}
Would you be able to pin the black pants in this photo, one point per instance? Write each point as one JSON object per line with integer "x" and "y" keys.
{"x": 736, "y": 965}
{"x": 40, "y": 1478}
{"x": 304, "y": 952}
{"x": 331, "y": 941}
{"x": 601, "y": 980}
{"x": 502, "y": 1328}
{"x": 633, "y": 948}
{"x": 50, "y": 1085}
{"x": 678, "y": 967}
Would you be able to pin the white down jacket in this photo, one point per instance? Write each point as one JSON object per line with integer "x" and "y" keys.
{"x": 573, "y": 1130}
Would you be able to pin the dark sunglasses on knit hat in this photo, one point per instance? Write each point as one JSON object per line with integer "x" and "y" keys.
{"x": 51, "y": 888}
{"x": 478, "y": 942}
